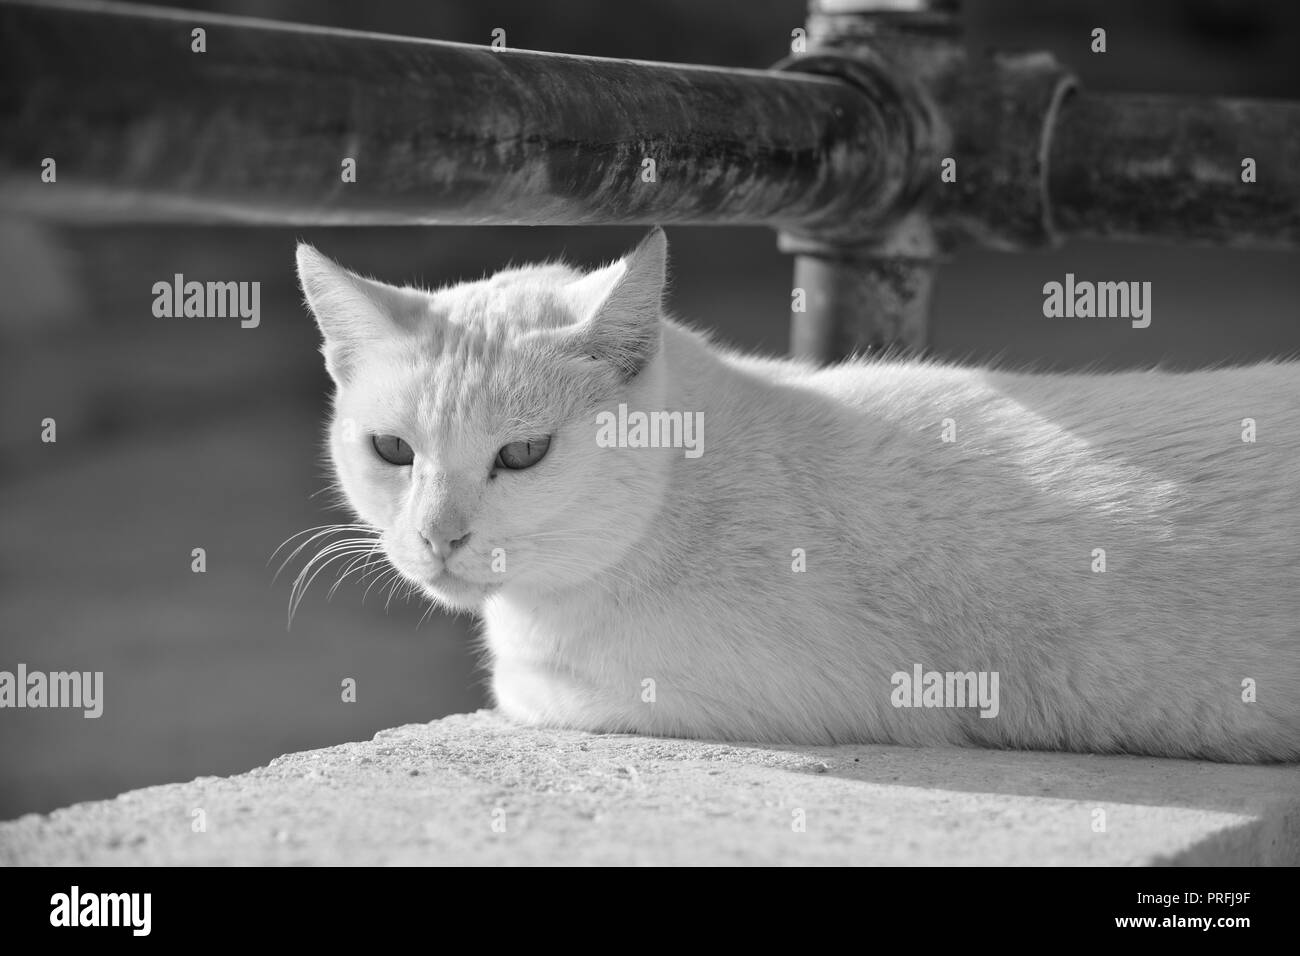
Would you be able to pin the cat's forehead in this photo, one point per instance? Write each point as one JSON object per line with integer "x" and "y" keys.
{"x": 469, "y": 340}
{"x": 473, "y": 366}
{"x": 478, "y": 364}
{"x": 452, "y": 404}
{"x": 508, "y": 304}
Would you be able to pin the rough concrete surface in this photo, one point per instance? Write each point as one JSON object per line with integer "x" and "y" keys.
{"x": 477, "y": 789}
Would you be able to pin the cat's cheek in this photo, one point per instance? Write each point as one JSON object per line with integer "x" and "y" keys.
{"x": 375, "y": 491}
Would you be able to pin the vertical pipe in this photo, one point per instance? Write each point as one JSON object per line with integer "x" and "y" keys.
{"x": 873, "y": 297}
{"x": 862, "y": 302}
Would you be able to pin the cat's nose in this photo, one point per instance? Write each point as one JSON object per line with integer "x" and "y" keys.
{"x": 444, "y": 544}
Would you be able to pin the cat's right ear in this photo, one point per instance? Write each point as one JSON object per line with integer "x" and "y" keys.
{"x": 620, "y": 305}
{"x": 352, "y": 312}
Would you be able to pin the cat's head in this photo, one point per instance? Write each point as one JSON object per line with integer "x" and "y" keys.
{"x": 464, "y": 419}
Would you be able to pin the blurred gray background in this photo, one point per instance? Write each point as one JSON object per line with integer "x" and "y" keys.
{"x": 176, "y": 434}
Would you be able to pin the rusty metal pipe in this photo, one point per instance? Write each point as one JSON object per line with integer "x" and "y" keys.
{"x": 1170, "y": 168}
{"x": 256, "y": 130}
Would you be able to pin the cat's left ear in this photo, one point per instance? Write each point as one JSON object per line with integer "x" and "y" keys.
{"x": 619, "y": 306}
{"x": 352, "y": 312}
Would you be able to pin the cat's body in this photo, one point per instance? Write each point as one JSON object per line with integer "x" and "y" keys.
{"x": 849, "y": 524}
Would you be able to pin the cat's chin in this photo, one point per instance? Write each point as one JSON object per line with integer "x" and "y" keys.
{"x": 456, "y": 593}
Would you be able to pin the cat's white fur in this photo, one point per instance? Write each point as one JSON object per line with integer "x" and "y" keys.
{"x": 624, "y": 566}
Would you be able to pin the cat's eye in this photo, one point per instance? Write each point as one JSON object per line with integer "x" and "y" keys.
{"x": 392, "y": 449}
{"x": 522, "y": 454}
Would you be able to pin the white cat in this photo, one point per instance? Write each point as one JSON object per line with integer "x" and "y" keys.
{"x": 1119, "y": 552}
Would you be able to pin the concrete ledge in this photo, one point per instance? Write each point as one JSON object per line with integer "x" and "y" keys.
{"x": 431, "y": 793}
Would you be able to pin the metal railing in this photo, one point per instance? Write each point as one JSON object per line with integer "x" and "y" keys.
{"x": 842, "y": 149}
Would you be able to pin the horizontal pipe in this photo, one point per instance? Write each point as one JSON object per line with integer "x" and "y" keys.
{"x": 256, "y": 129}
{"x": 1170, "y": 168}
